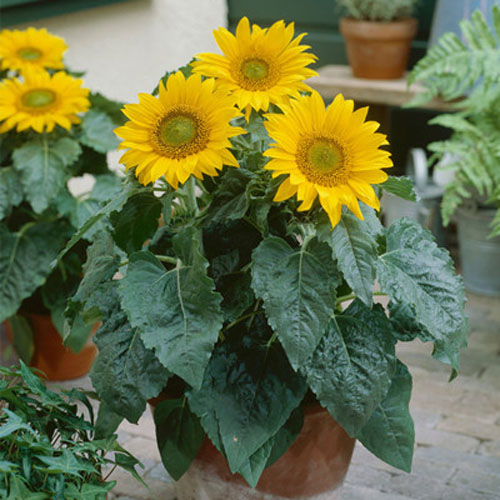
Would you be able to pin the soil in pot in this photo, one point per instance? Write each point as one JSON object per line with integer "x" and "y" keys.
{"x": 50, "y": 356}
{"x": 378, "y": 50}
{"x": 313, "y": 468}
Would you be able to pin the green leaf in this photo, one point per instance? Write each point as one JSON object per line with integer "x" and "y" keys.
{"x": 107, "y": 421}
{"x": 19, "y": 490}
{"x": 272, "y": 449}
{"x": 136, "y": 221}
{"x": 112, "y": 206}
{"x": 390, "y": 434}
{"x": 11, "y": 191}
{"x": 350, "y": 371}
{"x": 88, "y": 491}
{"x": 177, "y": 312}
{"x": 22, "y": 337}
{"x": 415, "y": 272}
{"x": 248, "y": 393}
{"x": 65, "y": 463}
{"x": 97, "y": 131}
{"x": 125, "y": 374}
{"x": 111, "y": 107}
{"x": 354, "y": 246}
{"x": 25, "y": 261}
{"x": 297, "y": 286}
{"x": 100, "y": 266}
{"x": 400, "y": 186}
{"x": 14, "y": 423}
{"x": 43, "y": 165}
{"x": 6, "y": 466}
{"x": 179, "y": 435}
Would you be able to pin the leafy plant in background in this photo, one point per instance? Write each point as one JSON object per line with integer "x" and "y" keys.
{"x": 259, "y": 280}
{"x": 48, "y": 449}
{"x": 51, "y": 130}
{"x": 468, "y": 75}
{"x": 378, "y": 10}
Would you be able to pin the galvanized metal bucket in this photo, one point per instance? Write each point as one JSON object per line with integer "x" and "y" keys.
{"x": 479, "y": 256}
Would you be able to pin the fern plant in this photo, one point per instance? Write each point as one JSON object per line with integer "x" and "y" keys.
{"x": 378, "y": 10}
{"x": 467, "y": 73}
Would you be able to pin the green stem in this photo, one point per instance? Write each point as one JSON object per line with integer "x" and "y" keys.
{"x": 240, "y": 319}
{"x": 162, "y": 258}
{"x": 192, "y": 203}
{"x": 353, "y": 296}
{"x": 270, "y": 342}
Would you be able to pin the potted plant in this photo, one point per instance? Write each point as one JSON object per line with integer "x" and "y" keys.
{"x": 378, "y": 36}
{"x": 51, "y": 130}
{"x": 249, "y": 313}
{"x": 48, "y": 447}
{"x": 466, "y": 73}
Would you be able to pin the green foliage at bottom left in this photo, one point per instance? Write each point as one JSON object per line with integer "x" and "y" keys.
{"x": 48, "y": 449}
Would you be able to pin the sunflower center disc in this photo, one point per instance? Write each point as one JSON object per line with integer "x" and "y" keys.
{"x": 255, "y": 69}
{"x": 38, "y": 98}
{"x": 29, "y": 54}
{"x": 178, "y": 130}
{"x": 325, "y": 157}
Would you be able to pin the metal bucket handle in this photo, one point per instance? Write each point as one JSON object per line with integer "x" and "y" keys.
{"x": 417, "y": 168}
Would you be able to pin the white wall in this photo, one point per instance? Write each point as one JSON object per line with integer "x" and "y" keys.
{"x": 127, "y": 47}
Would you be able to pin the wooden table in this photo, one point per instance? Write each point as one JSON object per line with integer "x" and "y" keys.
{"x": 334, "y": 79}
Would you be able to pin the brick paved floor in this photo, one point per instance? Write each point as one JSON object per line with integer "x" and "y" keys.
{"x": 457, "y": 455}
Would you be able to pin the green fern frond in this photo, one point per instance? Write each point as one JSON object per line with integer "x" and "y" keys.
{"x": 451, "y": 68}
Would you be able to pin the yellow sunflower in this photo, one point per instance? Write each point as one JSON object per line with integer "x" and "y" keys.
{"x": 332, "y": 153}
{"x": 41, "y": 101}
{"x": 183, "y": 132}
{"x": 31, "y": 48}
{"x": 259, "y": 66}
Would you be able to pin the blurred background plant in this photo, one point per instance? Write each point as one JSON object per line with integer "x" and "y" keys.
{"x": 378, "y": 10}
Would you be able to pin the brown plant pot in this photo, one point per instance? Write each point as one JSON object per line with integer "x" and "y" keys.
{"x": 314, "y": 467}
{"x": 50, "y": 356}
{"x": 378, "y": 50}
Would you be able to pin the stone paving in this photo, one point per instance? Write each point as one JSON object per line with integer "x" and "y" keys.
{"x": 457, "y": 455}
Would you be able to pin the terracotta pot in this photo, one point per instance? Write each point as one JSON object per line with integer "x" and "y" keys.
{"x": 378, "y": 50}
{"x": 314, "y": 467}
{"x": 51, "y": 356}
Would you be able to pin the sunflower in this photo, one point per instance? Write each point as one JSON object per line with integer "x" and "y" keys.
{"x": 259, "y": 66}
{"x": 31, "y": 48}
{"x": 183, "y": 132}
{"x": 330, "y": 153}
{"x": 41, "y": 101}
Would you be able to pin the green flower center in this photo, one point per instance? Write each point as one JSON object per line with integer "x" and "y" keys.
{"x": 178, "y": 130}
{"x": 39, "y": 98}
{"x": 325, "y": 157}
{"x": 255, "y": 69}
{"x": 323, "y": 161}
{"x": 29, "y": 54}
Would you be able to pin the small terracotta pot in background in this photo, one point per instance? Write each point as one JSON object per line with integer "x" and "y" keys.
{"x": 314, "y": 467}
{"x": 51, "y": 356}
{"x": 378, "y": 50}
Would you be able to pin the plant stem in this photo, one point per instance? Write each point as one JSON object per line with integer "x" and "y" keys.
{"x": 241, "y": 318}
{"x": 353, "y": 296}
{"x": 162, "y": 258}
{"x": 192, "y": 203}
{"x": 110, "y": 472}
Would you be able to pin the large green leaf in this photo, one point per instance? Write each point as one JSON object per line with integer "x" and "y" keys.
{"x": 350, "y": 371}
{"x": 13, "y": 424}
{"x": 44, "y": 168}
{"x": 354, "y": 247}
{"x": 179, "y": 435}
{"x": 403, "y": 187}
{"x": 22, "y": 333}
{"x": 125, "y": 374}
{"x": 136, "y": 221}
{"x": 18, "y": 490}
{"x": 389, "y": 434}
{"x": 112, "y": 206}
{"x": 100, "y": 266}
{"x": 297, "y": 286}
{"x": 415, "y": 272}
{"x": 273, "y": 448}
{"x": 97, "y": 131}
{"x": 177, "y": 312}
{"x": 248, "y": 393}
{"x": 25, "y": 261}
{"x": 11, "y": 191}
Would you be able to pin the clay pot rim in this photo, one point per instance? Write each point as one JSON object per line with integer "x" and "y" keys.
{"x": 405, "y": 28}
